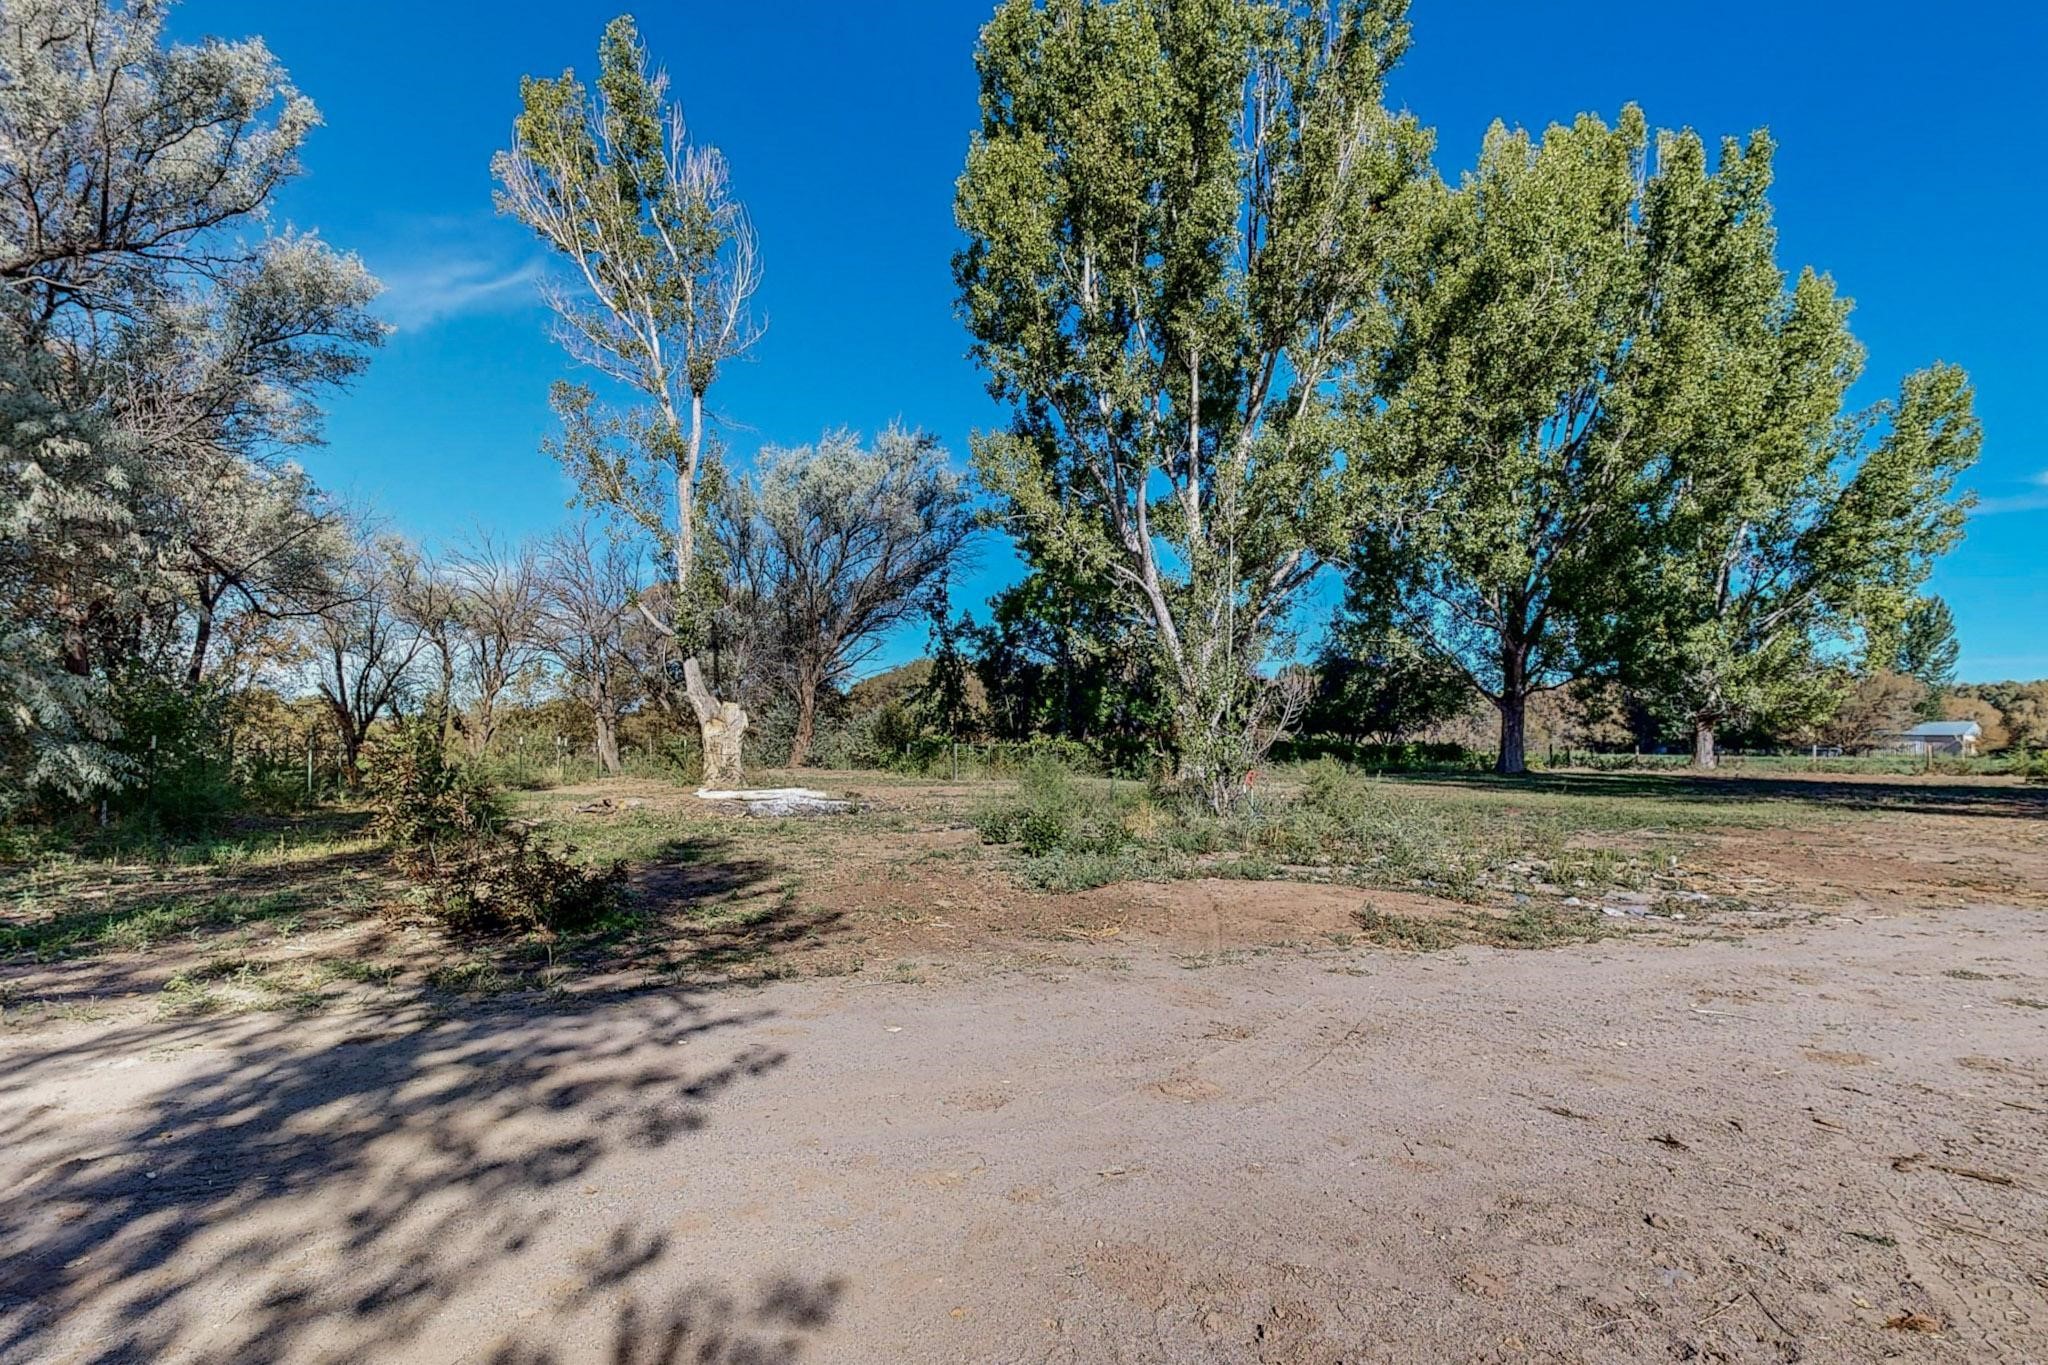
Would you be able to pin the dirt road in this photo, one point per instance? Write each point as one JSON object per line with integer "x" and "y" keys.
{"x": 1764, "y": 1150}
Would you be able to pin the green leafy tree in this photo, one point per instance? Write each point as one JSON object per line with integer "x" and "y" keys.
{"x": 662, "y": 268}
{"x": 1789, "y": 534}
{"x": 946, "y": 697}
{"x": 1375, "y": 684}
{"x": 157, "y": 353}
{"x": 1928, "y": 650}
{"x": 1180, "y": 217}
{"x": 1525, "y": 403}
{"x": 1799, "y": 542}
{"x": 1057, "y": 658}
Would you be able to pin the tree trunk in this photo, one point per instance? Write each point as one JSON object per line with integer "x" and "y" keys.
{"x": 806, "y": 724}
{"x": 447, "y": 693}
{"x": 720, "y": 727}
{"x": 351, "y": 757}
{"x": 1514, "y": 727}
{"x": 607, "y": 743}
{"x": 1703, "y": 755}
{"x": 77, "y": 651}
{"x": 202, "y": 637}
{"x": 1514, "y": 712}
{"x": 1203, "y": 759}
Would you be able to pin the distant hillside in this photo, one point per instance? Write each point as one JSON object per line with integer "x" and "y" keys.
{"x": 901, "y": 683}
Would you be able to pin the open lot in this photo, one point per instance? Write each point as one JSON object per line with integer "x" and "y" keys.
{"x": 1597, "y": 1067}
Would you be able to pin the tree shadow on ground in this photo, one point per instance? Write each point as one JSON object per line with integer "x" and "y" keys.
{"x": 708, "y": 913}
{"x": 695, "y": 912}
{"x": 294, "y": 1195}
{"x": 1926, "y": 796}
{"x": 708, "y": 1324}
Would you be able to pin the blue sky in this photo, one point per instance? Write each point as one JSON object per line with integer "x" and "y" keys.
{"x": 1905, "y": 169}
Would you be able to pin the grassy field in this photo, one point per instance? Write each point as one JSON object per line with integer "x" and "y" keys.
{"x": 1043, "y": 869}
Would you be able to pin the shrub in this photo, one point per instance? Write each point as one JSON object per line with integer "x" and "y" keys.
{"x": 418, "y": 795}
{"x": 450, "y": 840}
{"x": 1042, "y": 830}
{"x": 508, "y": 879}
{"x": 175, "y": 739}
{"x": 1052, "y": 813}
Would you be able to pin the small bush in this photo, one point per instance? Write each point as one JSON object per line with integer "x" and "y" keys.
{"x": 1052, "y": 813}
{"x": 511, "y": 880}
{"x": 445, "y": 826}
{"x": 1043, "y": 830}
{"x": 1062, "y": 871}
{"x": 419, "y": 796}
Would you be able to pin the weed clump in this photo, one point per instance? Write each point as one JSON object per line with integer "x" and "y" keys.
{"x": 1074, "y": 835}
{"x": 1052, "y": 813}
{"x": 1348, "y": 825}
{"x": 473, "y": 870}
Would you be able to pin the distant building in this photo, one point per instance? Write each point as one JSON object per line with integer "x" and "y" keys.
{"x": 1958, "y": 737}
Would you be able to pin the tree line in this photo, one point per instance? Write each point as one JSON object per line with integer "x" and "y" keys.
{"x": 1562, "y": 422}
{"x": 1563, "y": 419}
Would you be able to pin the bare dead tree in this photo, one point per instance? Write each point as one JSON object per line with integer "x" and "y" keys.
{"x": 426, "y": 598}
{"x": 498, "y": 626}
{"x": 586, "y": 614}
{"x": 361, "y": 650}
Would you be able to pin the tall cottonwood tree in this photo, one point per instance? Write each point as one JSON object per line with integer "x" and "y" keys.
{"x": 1793, "y": 532}
{"x": 1555, "y": 346}
{"x": 663, "y": 265}
{"x": 1180, "y": 217}
{"x": 1786, "y": 564}
{"x": 1927, "y": 649}
{"x": 834, "y": 545}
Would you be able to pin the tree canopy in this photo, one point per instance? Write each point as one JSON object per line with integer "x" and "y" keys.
{"x": 1181, "y": 217}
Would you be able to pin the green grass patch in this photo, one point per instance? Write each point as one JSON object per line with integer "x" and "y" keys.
{"x": 471, "y": 976}
{"x": 358, "y": 971}
{"x": 238, "y": 985}
{"x": 1476, "y": 845}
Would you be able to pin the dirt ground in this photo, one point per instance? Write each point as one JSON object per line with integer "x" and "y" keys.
{"x": 948, "y": 1118}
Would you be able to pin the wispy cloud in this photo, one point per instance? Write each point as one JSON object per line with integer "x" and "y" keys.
{"x": 428, "y": 287}
{"x": 2035, "y": 499}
